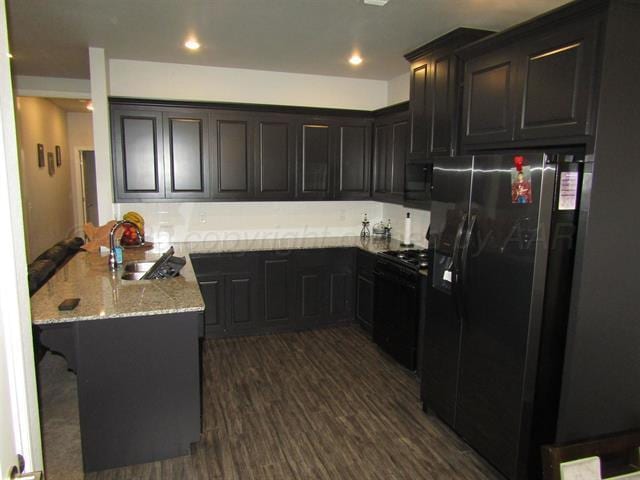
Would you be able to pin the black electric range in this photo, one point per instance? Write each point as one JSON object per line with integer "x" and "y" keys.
{"x": 415, "y": 259}
{"x": 400, "y": 290}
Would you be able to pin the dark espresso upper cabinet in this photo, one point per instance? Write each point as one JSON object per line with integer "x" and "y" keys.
{"x": 557, "y": 81}
{"x": 186, "y": 153}
{"x": 421, "y": 103}
{"x": 232, "y": 157}
{"x": 353, "y": 160}
{"x": 314, "y": 178}
{"x": 138, "y": 156}
{"x": 164, "y": 151}
{"x": 334, "y": 158}
{"x": 434, "y": 94}
{"x": 391, "y": 144}
{"x": 274, "y": 157}
{"x": 490, "y": 83}
{"x": 533, "y": 84}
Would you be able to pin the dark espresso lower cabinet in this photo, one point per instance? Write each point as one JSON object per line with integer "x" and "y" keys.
{"x": 267, "y": 292}
{"x": 364, "y": 290}
{"x": 278, "y": 289}
{"x": 324, "y": 286}
{"x": 341, "y": 270}
{"x": 230, "y": 287}
{"x": 212, "y": 289}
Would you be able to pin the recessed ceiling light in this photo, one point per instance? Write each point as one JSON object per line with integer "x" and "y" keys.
{"x": 90, "y": 106}
{"x": 192, "y": 44}
{"x": 377, "y": 3}
{"x": 355, "y": 59}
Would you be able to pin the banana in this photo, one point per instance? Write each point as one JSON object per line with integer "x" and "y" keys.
{"x": 134, "y": 217}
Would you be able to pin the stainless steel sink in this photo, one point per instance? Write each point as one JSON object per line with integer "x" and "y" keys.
{"x": 135, "y": 270}
{"x": 161, "y": 268}
{"x": 138, "y": 266}
{"x": 132, "y": 275}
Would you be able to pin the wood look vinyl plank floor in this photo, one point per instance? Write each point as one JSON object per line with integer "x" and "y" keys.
{"x": 323, "y": 404}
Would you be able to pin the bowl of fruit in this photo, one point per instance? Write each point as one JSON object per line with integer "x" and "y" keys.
{"x": 130, "y": 237}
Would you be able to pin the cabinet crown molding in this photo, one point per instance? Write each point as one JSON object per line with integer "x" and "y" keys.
{"x": 454, "y": 39}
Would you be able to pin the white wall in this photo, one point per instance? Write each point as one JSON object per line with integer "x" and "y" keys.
{"x": 398, "y": 89}
{"x": 80, "y": 137}
{"x": 420, "y": 220}
{"x": 130, "y": 78}
{"x": 47, "y": 200}
{"x": 167, "y": 222}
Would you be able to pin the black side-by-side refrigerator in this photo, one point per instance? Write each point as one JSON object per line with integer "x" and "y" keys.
{"x": 503, "y": 235}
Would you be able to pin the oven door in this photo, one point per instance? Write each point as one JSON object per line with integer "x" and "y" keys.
{"x": 395, "y": 320}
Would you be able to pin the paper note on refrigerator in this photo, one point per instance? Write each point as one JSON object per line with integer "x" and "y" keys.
{"x": 568, "y": 198}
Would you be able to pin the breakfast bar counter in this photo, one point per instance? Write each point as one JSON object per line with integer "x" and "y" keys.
{"x": 135, "y": 346}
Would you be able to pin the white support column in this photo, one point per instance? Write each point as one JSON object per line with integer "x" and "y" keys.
{"x": 99, "y": 71}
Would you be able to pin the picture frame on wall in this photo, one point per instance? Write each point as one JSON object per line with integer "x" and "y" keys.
{"x": 40, "y": 155}
{"x": 58, "y": 156}
{"x": 51, "y": 164}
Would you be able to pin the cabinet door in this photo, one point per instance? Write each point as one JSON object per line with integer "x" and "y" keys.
{"x": 137, "y": 154}
{"x": 420, "y": 108}
{"x": 389, "y": 157}
{"x": 242, "y": 303}
{"x": 311, "y": 297}
{"x": 557, "y": 81}
{"x": 274, "y": 158}
{"x": 232, "y": 155}
{"x": 186, "y": 153}
{"x": 488, "y": 104}
{"x": 442, "y": 135}
{"x": 382, "y": 154}
{"x": 396, "y": 167}
{"x": 278, "y": 291}
{"x": 365, "y": 264}
{"x": 340, "y": 286}
{"x": 340, "y": 294}
{"x": 364, "y": 302}
{"x": 314, "y": 161}
{"x": 353, "y": 160}
{"x": 417, "y": 184}
{"x": 212, "y": 290}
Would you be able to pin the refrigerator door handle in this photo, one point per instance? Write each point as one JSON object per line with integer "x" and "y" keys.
{"x": 454, "y": 265}
{"x": 455, "y": 269}
{"x": 465, "y": 250}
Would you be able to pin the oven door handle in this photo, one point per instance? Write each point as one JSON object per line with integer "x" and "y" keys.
{"x": 393, "y": 278}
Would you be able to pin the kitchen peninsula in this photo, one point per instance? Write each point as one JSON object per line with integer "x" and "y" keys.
{"x": 135, "y": 345}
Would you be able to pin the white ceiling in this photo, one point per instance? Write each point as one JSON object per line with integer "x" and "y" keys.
{"x": 51, "y": 37}
{"x": 71, "y": 104}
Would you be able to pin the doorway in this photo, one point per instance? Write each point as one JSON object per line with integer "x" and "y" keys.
{"x": 89, "y": 189}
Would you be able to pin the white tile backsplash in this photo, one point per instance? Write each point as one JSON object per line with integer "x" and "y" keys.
{"x": 179, "y": 222}
{"x": 420, "y": 220}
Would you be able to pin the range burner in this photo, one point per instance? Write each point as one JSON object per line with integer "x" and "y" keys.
{"x": 414, "y": 259}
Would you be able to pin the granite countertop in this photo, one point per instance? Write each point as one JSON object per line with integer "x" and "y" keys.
{"x": 103, "y": 294}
